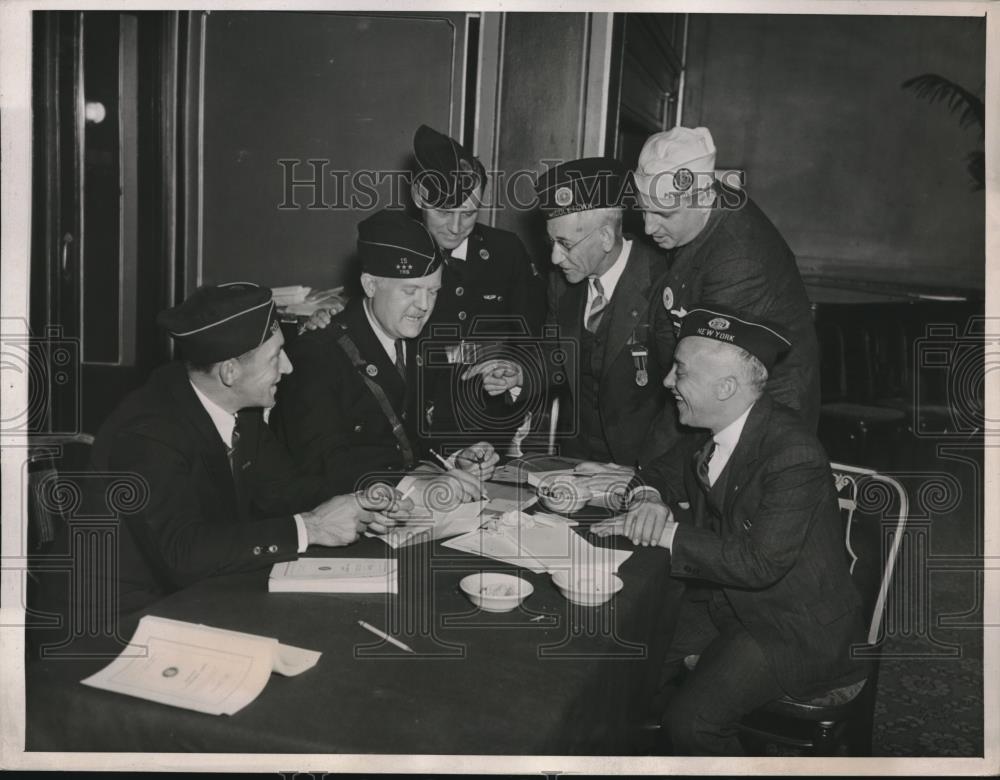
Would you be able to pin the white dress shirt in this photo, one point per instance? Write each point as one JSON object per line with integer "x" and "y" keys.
{"x": 725, "y": 443}
{"x": 225, "y": 423}
{"x": 388, "y": 342}
{"x": 461, "y": 251}
{"x": 609, "y": 279}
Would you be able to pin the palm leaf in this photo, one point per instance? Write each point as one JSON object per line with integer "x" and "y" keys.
{"x": 939, "y": 89}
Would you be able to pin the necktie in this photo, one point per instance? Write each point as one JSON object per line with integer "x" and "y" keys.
{"x": 232, "y": 452}
{"x": 701, "y": 465}
{"x": 597, "y": 307}
{"x": 400, "y": 359}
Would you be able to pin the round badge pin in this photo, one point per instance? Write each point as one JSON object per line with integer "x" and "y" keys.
{"x": 371, "y": 370}
{"x": 683, "y": 179}
{"x": 668, "y": 298}
{"x": 484, "y": 253}
{"x": 642, "y": 377}
{"x": 564, "y": 196}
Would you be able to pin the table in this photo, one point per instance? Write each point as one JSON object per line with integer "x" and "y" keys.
{"x": 575, "y": 681}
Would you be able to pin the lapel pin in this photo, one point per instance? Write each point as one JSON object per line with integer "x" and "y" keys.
{"x": 371, "y": 370}
{"x": 484, "y": 253}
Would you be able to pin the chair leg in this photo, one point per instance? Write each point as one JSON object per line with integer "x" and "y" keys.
{"x": 823, "y": 743}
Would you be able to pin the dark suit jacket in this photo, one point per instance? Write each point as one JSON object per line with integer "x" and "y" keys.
{"x": 327, "y": 417}
{"x": 771, "y": 536}
{"x": 740, "y": 260}
{"x": 627, "y": 410}
{"x": 193, "y": 525}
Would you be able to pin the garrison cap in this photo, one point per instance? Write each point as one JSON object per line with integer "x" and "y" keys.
{"x": 447, "y": 173}
{"x": 674, "y": 162}
{"x": 394, "y": 245}
{"x": 581, "y": 185}
{"x": 218, "y": 322}
{"x": 764, "y": 340}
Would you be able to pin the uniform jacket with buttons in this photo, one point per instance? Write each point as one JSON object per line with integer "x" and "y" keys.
{"x": 770, "y": 534}
{"x": 193, "y": 523}
{"x": 740, "y": 260}
{"x": 326, "y": 415}
{"x": 495, "y": 281}
{"x": 627, "y": 409}
{"x": 492, "y": 296}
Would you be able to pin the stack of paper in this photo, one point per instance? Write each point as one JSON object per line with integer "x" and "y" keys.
{"x": 283, "y": 296}
{"x": 335, "y": 575}
{"x": 198, "y": 667}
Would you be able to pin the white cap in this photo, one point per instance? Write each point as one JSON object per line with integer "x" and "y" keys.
{"x": 675, "y": 161}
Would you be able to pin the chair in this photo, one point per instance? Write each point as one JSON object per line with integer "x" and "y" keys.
{"x": 840, "y": 720}
{"x": 51, "y": 501}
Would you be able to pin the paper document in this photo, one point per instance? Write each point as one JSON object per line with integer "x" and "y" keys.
{"x": 538, "y": 548}
{"x": 334, "y": 575}
{"x": 198, "y": 667}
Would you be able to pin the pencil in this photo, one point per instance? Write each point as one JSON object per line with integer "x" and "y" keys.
{"x": 386, "y": 637}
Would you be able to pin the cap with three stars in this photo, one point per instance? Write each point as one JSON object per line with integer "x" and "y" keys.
{"x": 447, "y": 173}
{"x": 392, "y": 244}
{"x": 762, "y": 339}
{"x": 580, "y": 185}
{"x": 218, "y": 322}
{"x": 674, "y": 162}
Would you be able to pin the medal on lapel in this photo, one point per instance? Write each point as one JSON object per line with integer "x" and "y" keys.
{"x": 639, "y": 356}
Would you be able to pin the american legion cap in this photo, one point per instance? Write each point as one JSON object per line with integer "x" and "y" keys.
{"x": 673, "y": 162}
{"x": 580, "y": 185}
{"x": 393, "y": 245}
{"x": 764, "y": 340}
{"x": 218, "y": 322}
{"x": 447, "y": 173}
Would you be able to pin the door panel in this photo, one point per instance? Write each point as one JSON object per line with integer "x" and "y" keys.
{"x": 346, "y": 90}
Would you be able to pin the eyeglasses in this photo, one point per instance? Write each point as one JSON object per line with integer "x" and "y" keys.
{"x": 567, "y": 247}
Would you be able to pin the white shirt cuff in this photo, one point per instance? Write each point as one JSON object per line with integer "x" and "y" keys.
{"x": 667, "y": 537}
{"x": 640, "y": 490}
{"x": 300, "y": 529}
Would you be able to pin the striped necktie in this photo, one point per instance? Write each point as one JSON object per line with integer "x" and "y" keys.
{"x": 597, "y": 307}
{"x": 233, "y": 452}
{"x": 703, "y": 459}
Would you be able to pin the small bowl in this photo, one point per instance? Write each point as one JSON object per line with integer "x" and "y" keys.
{"x": 495, "y": 592}
{"x": 564, "y": 496}
{"x": 587, "y": 587}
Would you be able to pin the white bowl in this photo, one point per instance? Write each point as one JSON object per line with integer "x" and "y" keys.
{"x": 495, "y": 592}
{"x": 588, "y": 587}
{"x": 564, "y": 495}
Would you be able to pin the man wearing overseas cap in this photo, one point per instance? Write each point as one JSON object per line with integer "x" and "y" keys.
{"x": 222, "y": 491}
{"x": 770, "y": 607}
{"x": 490, "y": 289}
{"x": 602, "y": 303}
{"x": 350, "y": 409}
{"x": 723, "y": 250}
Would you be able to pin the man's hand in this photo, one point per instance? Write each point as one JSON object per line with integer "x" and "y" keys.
{"x": 393, "y": 509}
{"x": 479, "y": 460}
{"x": 336, "y": 522}
{"x": 319, "y": 320}
{"x": 645, "y": 523}
{"x": 498, "y": 375}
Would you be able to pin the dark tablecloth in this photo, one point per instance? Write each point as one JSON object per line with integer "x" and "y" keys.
{"x": 575, "y": 681}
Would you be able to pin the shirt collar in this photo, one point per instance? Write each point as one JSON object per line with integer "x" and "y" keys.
{"x": 388, "y": 342}
{"x": 223, "y": 421}
{"x": 609, "y": 279}
{"x": 728, "y": 437}
{"x": 461, "y": 251}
